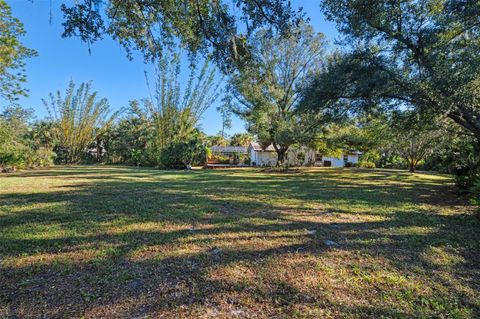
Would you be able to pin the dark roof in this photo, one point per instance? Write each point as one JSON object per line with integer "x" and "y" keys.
{"x": 258, "y": 148}
{"x": 228, "y": 149}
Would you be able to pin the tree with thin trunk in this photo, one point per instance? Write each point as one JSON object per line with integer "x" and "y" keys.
{"x": 267, "y": 92}
{"x": 414, "y": 138}
{"x": 225, "y": 110}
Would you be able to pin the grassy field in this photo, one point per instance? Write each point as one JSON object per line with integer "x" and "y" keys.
{"x": 118, "y": 242}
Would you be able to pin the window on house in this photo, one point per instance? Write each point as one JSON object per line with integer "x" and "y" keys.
{"x": 345, "y": 158}
{"x": 318, "y": 157}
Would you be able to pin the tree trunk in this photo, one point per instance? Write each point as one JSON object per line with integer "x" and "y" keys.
{"x": 281, "y": 152}
{"x": 412, "y": 167}
{"x": 412, "y": 163}
{"x": 280, "y": 156}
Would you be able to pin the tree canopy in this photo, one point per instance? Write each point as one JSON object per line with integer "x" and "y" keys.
{"x": 268, "y": 91}
{"x": 12, "y": 55}
{"x": 220, "y": 27}
{"x": 405, "y": 53}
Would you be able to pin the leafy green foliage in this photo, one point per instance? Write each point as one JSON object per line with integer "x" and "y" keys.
{"x": 400, "y": 139}
{"x": 200, "y": 25}
{"x": 128, "y": 140}
{"x": 366, "y": 164}
{"x": 181, "y": 155}
{"x": 267, "y": 91}
{"x": 414, "y": 138}
{"x": 216, "y": 140}
{"x": 421, "y": 54}
{"x": 17, "y": 148}
{"x": 43, "y": 134}
{"x": 175, "y": 109}
{"x": 81, "y": 118}
{"x": 156, "y": 127}
{"x": 12, "y": 55}
{"x": 241, "y": 139}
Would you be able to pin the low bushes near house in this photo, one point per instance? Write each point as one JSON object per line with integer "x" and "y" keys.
{"x": 366, "y": 164}
{"x": 219, "y": 159}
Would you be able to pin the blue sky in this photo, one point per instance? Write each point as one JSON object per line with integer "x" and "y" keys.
{"x": 114, "y": 76}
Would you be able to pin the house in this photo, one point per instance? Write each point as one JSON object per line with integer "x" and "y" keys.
{"x": 260, "y": 156}
{"x": 348, "y": 158}
{"x": 299, "y": 156}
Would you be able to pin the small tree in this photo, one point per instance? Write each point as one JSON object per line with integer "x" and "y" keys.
{"x": 268, "y": 90}
{"x": 42, "y": 135}
{"x": 128, "y": 140}
{"x": 17, "y": 147}
{"x": 217, "y": 139}
{"x": 413, "y": 138}
{"x": 225, "y": 110}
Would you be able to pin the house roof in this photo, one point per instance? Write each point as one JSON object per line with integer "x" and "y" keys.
{"x": 353, "y": 153}
{"x": 228, "y": 149}
{"x": 258, "y": 148}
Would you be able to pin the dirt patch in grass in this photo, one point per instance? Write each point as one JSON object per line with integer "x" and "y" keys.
{"x": 119, "y": 242}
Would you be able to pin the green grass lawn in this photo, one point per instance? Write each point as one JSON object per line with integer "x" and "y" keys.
{"x": 119, "y": 242}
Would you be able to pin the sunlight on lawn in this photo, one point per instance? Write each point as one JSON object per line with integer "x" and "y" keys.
{"x": 112, "y": 241}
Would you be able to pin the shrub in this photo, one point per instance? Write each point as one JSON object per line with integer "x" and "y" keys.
{"x": 22, "y": 156}
{"x": 180, "y": 155}
{"x": 466, "y": 178}
{"x": 220, "y": 159}
{"x": 38, "y": 158}
{"x": 366, "y": 164}
{"x": 10, "y": 159}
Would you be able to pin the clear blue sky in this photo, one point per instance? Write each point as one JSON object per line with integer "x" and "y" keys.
{"x": 114, "y": 76}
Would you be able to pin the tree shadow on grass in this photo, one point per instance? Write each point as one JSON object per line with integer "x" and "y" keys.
{"x": 158, "y": 246}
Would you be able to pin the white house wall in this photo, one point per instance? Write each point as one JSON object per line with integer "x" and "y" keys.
{"x": 336, "y": 162}
{"x": 262, "y": 158}
{"x": 253, "y": 156}
{"x": 353, "y": 158}
{"x": 268, "y": 158}
{"x": 292, "y": 156}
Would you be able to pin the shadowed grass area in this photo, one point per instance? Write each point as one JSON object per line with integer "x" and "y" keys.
{"x": 119, "y": 242}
